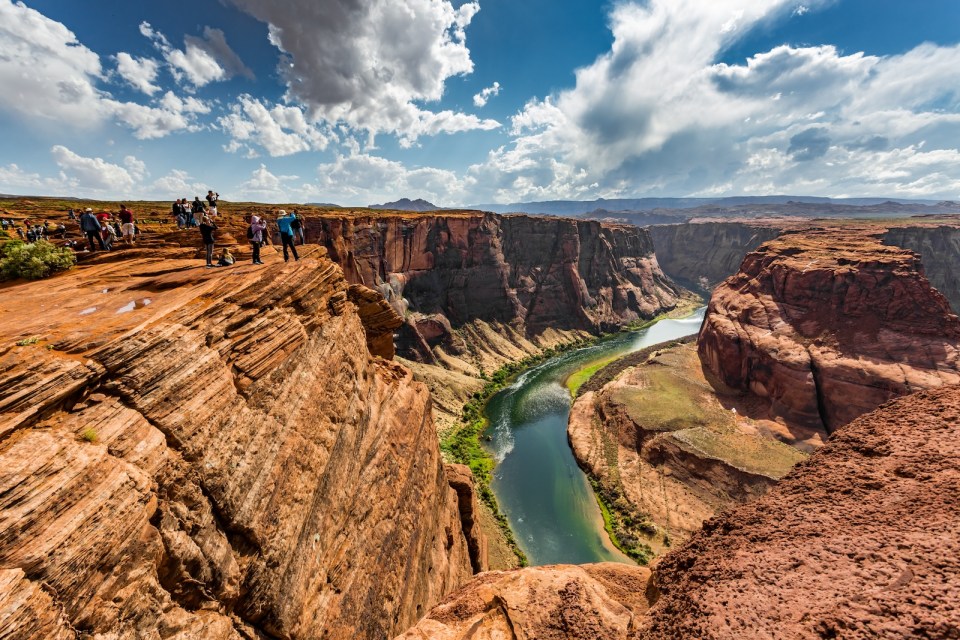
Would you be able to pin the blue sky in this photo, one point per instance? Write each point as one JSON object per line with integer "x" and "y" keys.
{"x": 363, "y": 101}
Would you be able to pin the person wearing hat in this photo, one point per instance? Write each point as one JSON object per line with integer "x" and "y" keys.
{"x": 91, "y": 228}
{"x": 284, "y": 222}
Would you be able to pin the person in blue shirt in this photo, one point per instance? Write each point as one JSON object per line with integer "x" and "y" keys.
{"x": 286, "y": 233}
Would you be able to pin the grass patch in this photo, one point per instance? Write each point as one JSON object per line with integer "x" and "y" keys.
{"x": 89, "y": 434}
{"x": 624, "y": 524}
{"x": 577, "y": 379}
{"x": 26, "y": 342}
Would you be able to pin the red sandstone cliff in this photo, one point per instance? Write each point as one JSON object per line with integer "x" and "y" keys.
{"x": 828, "y": 324}
{"x": 525, "y": 274}
{"x": 197, "y": 453}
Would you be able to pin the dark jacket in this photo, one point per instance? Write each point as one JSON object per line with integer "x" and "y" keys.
{"x": 89, "y": 222}
{"x": 206, "y": 230}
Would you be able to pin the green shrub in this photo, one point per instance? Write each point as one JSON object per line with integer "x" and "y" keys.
{"x": 89, "y": 434}
{"x": 33, "y": 261}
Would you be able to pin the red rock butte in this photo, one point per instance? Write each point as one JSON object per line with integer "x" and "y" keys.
{"x": 828, "y": 324}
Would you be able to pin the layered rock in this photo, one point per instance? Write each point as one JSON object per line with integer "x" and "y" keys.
{"x": 939, "y": 249}
{"x": 516, "y": 274}
{"x": 701, "y": 255}
{"x": 827, "y": 324}
{"x": 216, "y": 454}
{"x": 860, "y": 541}
{"x": 559, "y": 602}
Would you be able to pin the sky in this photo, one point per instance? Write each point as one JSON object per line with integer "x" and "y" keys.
{"x": 356, "y": 102}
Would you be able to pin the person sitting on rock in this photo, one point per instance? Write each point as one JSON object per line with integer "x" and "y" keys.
{"x": 284, "y": 220}
{"x": 258, "y": 236}
{"x": 226, "y": 258}
{"x": 206, "y": 232}
{"x": 108, "y": 234}
{"x": 91, "y": 228}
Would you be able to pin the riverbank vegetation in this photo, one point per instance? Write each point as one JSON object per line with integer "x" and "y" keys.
{"x": 463, "y": 444}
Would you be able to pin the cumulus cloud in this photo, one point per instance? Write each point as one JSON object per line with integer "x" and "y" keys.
{"x": 484, "y": 96}
{"x": 96, "y": 174}
{"x": 370, "y": 64}
{"x": 139, "y": 73}
{"x": 658, "y": 114}
{"x": 202, "y": 60}
{"x": 45, "y": 72}
{"x": 176, "y": 184}
{"x": 280, "y": 130}
{"x": 50, "y": 79}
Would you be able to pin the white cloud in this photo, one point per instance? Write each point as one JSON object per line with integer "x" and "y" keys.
{"x": 484, "y": 96}
{"x": 264, "y": 185}
{"x": 202, "y": 60}
{"x": 97, "y": 175}
{"x": 280, "y": 130}
{"x": 46, "y": 74}
{"x": 177, "y": 184}
{"x": 658, "y": 114}
{"x": 369, "y": 64}
{"x": 140, "y": 73}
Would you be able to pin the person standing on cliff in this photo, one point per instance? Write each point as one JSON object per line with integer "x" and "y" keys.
{"x": 258, "y": 233}
{"x": 206, "y": 232}
{"x": 284, "y": 222}
{"x": 212, "y": 199}
{"x": 126, "y": 225}
{"x": 297, "y": 226}
{"x": 91, "y": 228}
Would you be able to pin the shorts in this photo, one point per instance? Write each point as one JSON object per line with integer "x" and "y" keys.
{"x": 127, "y": 229}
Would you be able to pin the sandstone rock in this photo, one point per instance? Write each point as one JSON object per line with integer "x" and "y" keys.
{"x": 701, "y": 255}
{"x": 559, "y": 602}
{"x": 530, "y": 273}
{"x": 828, "y": 324}
{"x": 860, "y": 541}
{"x": 244, "y": 466}
{"x": 939, "y": 249}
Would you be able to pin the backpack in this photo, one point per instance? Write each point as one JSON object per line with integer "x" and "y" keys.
{"x": 250, "y": 232}
{"x": 295, "y": 223}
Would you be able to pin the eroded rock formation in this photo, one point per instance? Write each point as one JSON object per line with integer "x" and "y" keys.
{"x": 216, "y": 454}
{"x": 559, "y": 602}
{"x": 939, "y": 249}
{"x": 827, "y": 324}
{"x": 519, "y": 274}
{"x": 701, "y": 255}
{"x": 860, "y": 541}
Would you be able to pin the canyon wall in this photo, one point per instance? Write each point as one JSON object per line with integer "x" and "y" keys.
{"x": 939, "y": 249}
{"x": 701, "y": 255}
{"x": 827, "y": 324}
{"x": 521, "y": 275}
{"x": 190, "y": 453}
{"x": 860, "y": 541}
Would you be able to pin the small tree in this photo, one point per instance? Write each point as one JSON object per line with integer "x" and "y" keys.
{"x": 33, "y": 261}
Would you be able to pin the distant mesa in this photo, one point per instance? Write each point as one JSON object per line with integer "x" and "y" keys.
{"x": 326, "y": 205}
{"x": 406, "y": 204}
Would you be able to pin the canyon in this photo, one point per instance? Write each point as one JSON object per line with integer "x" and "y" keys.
{"x": 859, "y": 541}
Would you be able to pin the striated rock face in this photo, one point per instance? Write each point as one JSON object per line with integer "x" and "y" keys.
{"x": 829, "y": 324}
{"x": 200, "y": 453}
{"x": 701, "y": 255}
{"x": 939, "y": 249}
{"x": 560, "y": 602}
{"x": 442, "y": 272}
{"x": 860, "y": 541}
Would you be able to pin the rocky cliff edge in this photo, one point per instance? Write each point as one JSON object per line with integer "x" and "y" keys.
{"x": 214, "y": 453}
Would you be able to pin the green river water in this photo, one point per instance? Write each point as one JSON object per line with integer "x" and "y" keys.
{"x": 540, "y": 488}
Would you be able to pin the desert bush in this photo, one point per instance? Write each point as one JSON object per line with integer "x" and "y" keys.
{"x": 89, "y": 434}
{"x": 40, "y": 259}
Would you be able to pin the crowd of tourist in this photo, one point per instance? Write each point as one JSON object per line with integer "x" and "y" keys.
{"x": 102, "y": 231}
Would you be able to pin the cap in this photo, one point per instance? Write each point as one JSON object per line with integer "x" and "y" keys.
{"x": 88, "y": 210}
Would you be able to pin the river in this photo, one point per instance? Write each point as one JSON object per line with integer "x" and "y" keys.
{"x": 540, "y": 488}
